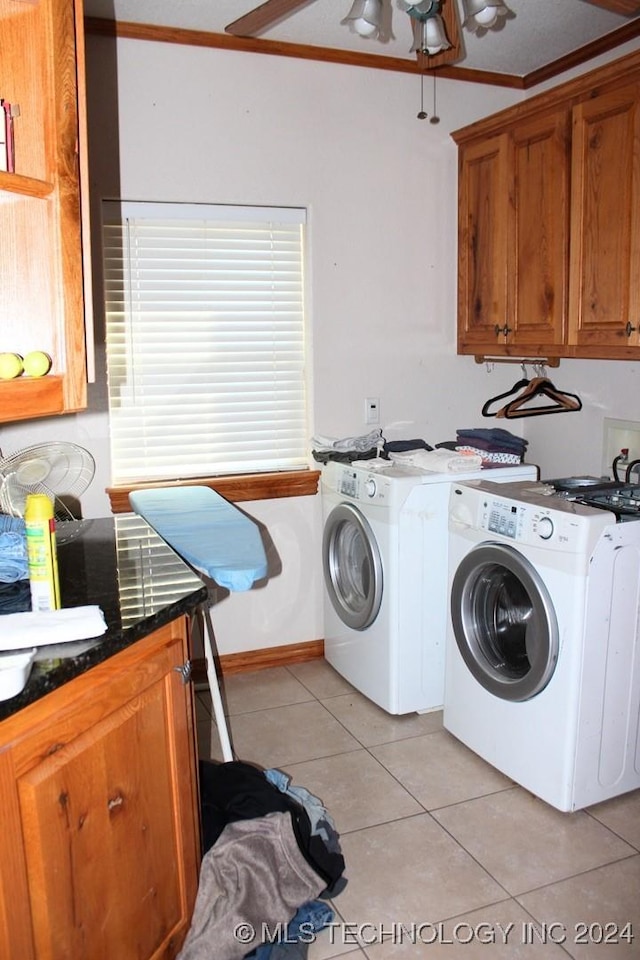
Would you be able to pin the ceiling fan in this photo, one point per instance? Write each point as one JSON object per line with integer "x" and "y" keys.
{"x": 270, "y": 12}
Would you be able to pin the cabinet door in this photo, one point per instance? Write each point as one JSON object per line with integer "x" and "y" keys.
{"x": 106, "y": 798}
{"x": 44, "y": 268}
{"x": 483, "y": 251}
{"x": 605, "y": 225}
{"x": 537, "y": 314}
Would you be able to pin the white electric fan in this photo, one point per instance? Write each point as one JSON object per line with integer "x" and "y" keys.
{"x": 61, "y": 470}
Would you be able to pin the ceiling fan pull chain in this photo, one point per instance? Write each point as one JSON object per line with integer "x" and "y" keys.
{"x": 421, "y": 114}
{"x": 434, "y": 116}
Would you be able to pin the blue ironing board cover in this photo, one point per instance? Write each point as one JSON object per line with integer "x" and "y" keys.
{"x": 207, "y": 531}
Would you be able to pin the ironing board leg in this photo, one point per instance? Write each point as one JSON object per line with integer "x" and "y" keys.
{"x": 212, "y": 677}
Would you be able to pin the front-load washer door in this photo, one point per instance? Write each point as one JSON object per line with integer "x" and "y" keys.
{"x": 504, "y": 622}
{"x": 352, "y": 567}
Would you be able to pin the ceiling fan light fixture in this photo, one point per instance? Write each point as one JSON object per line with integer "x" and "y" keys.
{"x": 482, "y": 15}
{"x": 429, "y": 36}
{"x": 365, "y": 18}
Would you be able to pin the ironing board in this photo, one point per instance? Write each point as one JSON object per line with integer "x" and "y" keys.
{"x": 217, "y": 540}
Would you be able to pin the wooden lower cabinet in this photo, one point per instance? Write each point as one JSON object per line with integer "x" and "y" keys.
{"x": 100, "y": 836}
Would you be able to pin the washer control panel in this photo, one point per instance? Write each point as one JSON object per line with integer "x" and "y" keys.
{"x": 525, "y": 516}
{"x": 501, "y": 517}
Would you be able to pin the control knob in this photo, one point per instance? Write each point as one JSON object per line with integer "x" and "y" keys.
{"x": 545, "y": 528}
{"x": 370, "y": 487}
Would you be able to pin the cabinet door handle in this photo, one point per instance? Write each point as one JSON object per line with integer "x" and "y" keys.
{"x": 504, "y": 331}
{"x": 185, "y": 671}
{"x": 629, "y": 329}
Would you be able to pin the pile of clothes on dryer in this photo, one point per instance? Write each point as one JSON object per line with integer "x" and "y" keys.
{"x": 495, "y": 447}
{"x": 271, "y": 857}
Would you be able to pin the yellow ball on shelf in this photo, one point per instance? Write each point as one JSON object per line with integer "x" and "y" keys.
{"x": 11, "y": 366}
{"x": 37, "y": 363}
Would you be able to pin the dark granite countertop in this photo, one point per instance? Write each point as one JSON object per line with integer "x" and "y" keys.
{"x": 123, "y": 566}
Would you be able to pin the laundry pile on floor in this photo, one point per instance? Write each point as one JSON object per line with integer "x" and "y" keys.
{"x": 271, "y": 856}
{"x": 496, "y": 447}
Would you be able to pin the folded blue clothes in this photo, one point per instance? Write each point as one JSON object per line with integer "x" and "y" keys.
{"x": 494, "y": 434}
{"x": 496, "y": 439}
{"x": 13, "y": 550}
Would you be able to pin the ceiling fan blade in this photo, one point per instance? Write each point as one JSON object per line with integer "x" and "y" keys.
{"x": 266, "y": 15}
{"x": 628, "y": 8}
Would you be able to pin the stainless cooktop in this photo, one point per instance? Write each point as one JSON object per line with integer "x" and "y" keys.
{"x": 622, "y": 499}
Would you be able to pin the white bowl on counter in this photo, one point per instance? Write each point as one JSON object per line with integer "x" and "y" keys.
{"x": 14, "y": 672}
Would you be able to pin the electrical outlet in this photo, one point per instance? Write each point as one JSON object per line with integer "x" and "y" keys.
{"x": 372, "y": 410}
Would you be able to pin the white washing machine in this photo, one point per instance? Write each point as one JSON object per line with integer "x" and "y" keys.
{"x": 542, "y": 674}
{"x": 385, "y": 578}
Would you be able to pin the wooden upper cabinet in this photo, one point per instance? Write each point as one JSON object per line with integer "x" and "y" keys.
{"x": 513, "y": 218}
{"x": 483, "y": 250}
{"x": 549, "y": 222}
{"x": 540, "y": 239}
{"x": 44, "y": 266}
{"x": 605, "y": 224}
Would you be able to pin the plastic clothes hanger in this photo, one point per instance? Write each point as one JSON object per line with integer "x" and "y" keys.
{"x": 523, "y": 382}
{"x": 540, "y": 387}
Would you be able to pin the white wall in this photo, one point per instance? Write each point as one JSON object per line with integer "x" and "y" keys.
{"x": 171, "y": 122}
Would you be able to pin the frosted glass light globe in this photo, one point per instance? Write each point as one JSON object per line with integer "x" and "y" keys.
{"x": 486, "y": 17}
{"x": 364, "y": 28}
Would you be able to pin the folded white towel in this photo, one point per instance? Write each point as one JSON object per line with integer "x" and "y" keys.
{"x": 439, "y": 461}
{"x": 21, "y": 630}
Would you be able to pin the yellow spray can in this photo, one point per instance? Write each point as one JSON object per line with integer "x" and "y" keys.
{"x": 40, "y": 529}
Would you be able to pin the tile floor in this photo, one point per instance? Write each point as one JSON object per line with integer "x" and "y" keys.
{"x": 445, "y": 857}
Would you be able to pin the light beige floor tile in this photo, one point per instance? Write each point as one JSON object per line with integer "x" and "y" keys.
{"x": 332, "y": 942}
{"x": 525, "y": 843}
{"x": 410, "y": 870}
{"x": 501, "y": 931}
{"x": 320, "y": 678}
{"x": 438, "y": 770}
{"x": 622, "y": 815}
{"x": 204, "y": 708}
{"x": 276, "y": 687}
{"x": 284, "y": 735}
{"x": 355, "y": 789}
{"x": 607, "y": 898}
{"x": 372, "y": 725}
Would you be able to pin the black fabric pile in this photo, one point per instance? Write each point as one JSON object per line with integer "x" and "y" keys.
{"x": 268, "y": 852}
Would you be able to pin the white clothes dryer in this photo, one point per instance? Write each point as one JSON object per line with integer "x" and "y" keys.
{"x": 542, "y": 674}
{"x": 384, "y": 558}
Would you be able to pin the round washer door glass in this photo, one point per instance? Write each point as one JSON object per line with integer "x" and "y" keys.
{"x": 352, "y": 567}
{"x": 504, "y": 622}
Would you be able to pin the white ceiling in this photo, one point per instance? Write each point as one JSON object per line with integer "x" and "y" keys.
{"x": 540, "y": 32}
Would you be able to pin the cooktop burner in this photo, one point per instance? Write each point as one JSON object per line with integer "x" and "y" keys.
{"x": 622, "y": 499}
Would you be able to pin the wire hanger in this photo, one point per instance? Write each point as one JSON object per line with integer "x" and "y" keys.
{"x": 540, "y": 387}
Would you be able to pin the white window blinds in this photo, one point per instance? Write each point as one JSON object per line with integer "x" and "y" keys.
{"x": 205, "y": 338}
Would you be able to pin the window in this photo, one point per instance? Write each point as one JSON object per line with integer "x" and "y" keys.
{"x": 206, "y": 345}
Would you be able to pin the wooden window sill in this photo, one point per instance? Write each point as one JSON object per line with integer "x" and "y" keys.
{"x": 253, "y": 486}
